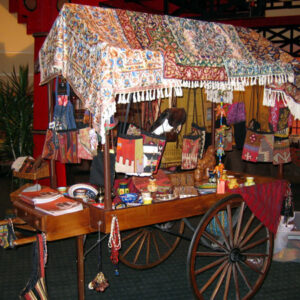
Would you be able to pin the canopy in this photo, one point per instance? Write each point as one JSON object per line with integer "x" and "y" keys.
{"x": 109, "y": 55}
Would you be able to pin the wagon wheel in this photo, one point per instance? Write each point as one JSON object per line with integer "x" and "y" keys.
{"x": 146, "y": 247}
{"x": 230, "y": 253}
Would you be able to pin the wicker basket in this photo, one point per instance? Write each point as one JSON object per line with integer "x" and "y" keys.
{"x": 41, "y": 172}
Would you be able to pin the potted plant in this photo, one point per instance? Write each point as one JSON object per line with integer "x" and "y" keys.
{"x": 16, "y": 115}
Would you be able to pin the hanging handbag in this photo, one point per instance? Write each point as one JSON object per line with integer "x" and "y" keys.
{"x": 153, "y": 148}
{"x": 282, "y": 153}
{"x": 265, "y": 151}
{"x": 51, "y": 146}
{"x": 251, "y": 145}
{"x": 129, "y": 150}
{"x": 63, "y": 114}
{"x": 68, "y": 147}
{"x": 190, "y": 142}
{"x": 7, "y": 235}
{"x": 87, "y": 143}
{"x": 36, "y": 286}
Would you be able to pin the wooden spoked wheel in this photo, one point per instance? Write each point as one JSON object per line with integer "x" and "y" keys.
{"x": 146, "y": 247}
{"x": 230, "y": 253}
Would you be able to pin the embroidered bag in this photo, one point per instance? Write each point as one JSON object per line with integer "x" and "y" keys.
{"x": 251, "y": 145}
{"x": 97, "y": 169}
{"x": 7, "y": 235}
{"x": 68, "y": 147}
{"x": 51, "y": 146}
{"x": 36, "y": 286}
{"x": 281, "y": 154}
{"x": 153, "y": 148}
{"x": 87, "y": 143}
{"x": 190, "y": 142}
{"x": 265, "y": 151}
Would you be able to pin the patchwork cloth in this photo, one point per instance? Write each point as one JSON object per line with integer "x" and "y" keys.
{"x": 265, "y": 151}
{"x": 108, "y": 52}
{"x": 282, "y": 153}
{"x": 265, "y": 201}
{"x": 251, "y": 146}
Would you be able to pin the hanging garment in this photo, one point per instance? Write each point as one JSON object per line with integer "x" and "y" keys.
{"x": 36, "y": 286}
{"x": 236, "y": 113}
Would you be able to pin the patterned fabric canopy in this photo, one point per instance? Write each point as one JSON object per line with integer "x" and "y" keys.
{"x": 108, "y": 54}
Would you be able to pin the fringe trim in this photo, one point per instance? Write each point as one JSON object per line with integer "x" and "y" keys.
{"x": 270, "y": 97}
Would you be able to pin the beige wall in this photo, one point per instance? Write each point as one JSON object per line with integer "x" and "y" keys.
{"x": 16, "y": 46}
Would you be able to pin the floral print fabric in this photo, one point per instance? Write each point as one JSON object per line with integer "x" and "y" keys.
{"x": 108, "y": 54}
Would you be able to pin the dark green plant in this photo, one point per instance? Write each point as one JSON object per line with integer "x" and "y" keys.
{"x": 16, "y": 114}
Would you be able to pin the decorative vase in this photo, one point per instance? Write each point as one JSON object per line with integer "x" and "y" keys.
{"x": 123, "y": 188}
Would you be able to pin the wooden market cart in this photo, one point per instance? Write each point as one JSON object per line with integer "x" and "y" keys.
{"x": 229, "y": 257}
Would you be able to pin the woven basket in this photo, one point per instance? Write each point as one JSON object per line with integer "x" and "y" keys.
{"x": 41, "y": 172}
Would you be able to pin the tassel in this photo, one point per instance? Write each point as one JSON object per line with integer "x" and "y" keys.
{"x": 99, "y": 283}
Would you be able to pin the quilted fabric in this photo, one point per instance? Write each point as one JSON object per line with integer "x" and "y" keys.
{"x": 108, "y": 52}
{"x": 265, "y": 151}
{"x": 251, "y": 146}
{"x": 282, "y": 154}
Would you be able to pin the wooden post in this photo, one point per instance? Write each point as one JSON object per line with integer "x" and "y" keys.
{"x": 280, "y": 171}
{"x": 107, "y": 183}
{"x": 53, "y": 179}
{"x": 213, "y": 121}
{"x": 80, "y": 267}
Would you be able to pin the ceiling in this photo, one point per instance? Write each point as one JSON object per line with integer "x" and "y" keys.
{"x": 198, "y": 9}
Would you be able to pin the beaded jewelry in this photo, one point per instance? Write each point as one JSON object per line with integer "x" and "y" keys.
{"x": 114, "y": 243}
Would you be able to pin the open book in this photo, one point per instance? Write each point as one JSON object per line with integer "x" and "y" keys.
{"x": 45, "y": 195}
{"x": 60, "y": 206}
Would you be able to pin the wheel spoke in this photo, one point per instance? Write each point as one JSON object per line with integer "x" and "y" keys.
{"x": 236, "y": 283}
{"x": 255, "y": 254}
{"x": 252, "y": 267}
{"x": 214, "y": 276}
{"x": 221, "y": 279}
{"x": 199, "y": 253}
{"x": 135, "y": 232}
{"x": 148, "y": 247}
{"x": 246, "y": 228}
{"x": 249, "y": 237}
{"x": 155, "y": 244}
{"x": 228, "y": 277}
{"x": 210, "y": 237}
{"x": 164, "y": 240}
{"x": 229, "y": 216}
{"x": 142, "y": 242}
{"x": 133, "y": 244}
{"x": 243, "y": 276}
{"x": 238, "y": 227}
{"x": 146, "y": 241}
{"x": 222, "y": 231}
{"x": 211, "y": 265}
{"x": 254, "y": 244}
